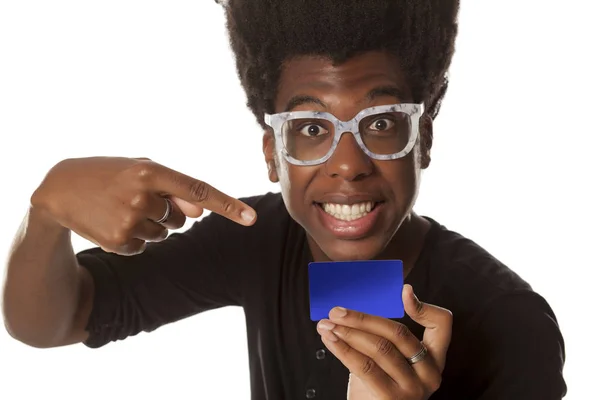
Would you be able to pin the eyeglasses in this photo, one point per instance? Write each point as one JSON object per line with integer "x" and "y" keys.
{"x": 310, "y": 137}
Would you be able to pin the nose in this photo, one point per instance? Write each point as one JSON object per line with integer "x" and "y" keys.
{"x": 348, "y": 161}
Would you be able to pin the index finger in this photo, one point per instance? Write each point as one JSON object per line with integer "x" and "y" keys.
{"x": 195, "y": 191}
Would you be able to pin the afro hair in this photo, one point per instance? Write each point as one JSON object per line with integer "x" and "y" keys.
{"x": 265, "y": 33}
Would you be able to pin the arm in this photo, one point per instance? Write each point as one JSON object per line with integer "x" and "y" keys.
{"x": 522, "y": 350}
{"x": 54, "y": 297}
{"x": 188, "y": 273}
{"x": 47, "y": 298}
{"x": 117, "y": 203}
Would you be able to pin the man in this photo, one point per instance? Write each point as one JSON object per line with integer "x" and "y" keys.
{"x": 346, "y": 93}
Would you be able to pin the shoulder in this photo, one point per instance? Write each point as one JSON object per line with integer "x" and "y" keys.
{"x": 269, "y": 208}
{"x": 518, "y": 349}
{"x": 505, "y": 334}
{"x": 268, "y": 202}
{"x": 271, "y": 216}
{"x": 481, "y": 291}
{"x": 245, "y": 245}
{"x": 465, "y": 276}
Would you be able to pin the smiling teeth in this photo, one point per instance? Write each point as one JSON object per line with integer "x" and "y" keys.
{"x": 347, "y": 212}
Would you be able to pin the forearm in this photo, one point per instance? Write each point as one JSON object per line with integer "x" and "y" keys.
{"x": 41, "y": 290}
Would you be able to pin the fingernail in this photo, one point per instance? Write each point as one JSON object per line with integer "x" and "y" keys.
{"x": 339, "y": 312}
{"x": 326, "y": 325}
{"x": 248, "y": 215}
{"x": 331, "y": 338}
{"x": 328, "y": 336}
{"x": 412, "y": 289}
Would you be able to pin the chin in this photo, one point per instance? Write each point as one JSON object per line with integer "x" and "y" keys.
{"x": 351, "y": 250}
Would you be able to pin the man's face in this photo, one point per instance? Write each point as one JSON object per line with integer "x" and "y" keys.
{"x": 349, "y": 177}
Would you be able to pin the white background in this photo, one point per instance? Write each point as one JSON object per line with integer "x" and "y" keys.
{"x": 515, "y": 163}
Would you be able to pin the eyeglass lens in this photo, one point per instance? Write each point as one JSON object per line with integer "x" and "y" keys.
{"x": 308, "y": 139}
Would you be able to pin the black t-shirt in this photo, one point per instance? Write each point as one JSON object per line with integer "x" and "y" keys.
{"x": 506, "y": 343}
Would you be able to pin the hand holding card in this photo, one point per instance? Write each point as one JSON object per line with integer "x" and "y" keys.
{"x": 372, "y": 287}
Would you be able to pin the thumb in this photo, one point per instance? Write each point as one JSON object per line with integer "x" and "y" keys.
{"x": 190, "y": 210}
{"x": 436, "y": 320}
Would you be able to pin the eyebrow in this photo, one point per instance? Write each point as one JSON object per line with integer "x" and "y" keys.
{"x": 383, "y": 91}
{"x": 380, "y": 91}
{"x": 303, "y": 99}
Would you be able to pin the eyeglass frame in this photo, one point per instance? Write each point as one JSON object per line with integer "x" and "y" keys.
{"x": 276, "y": 122}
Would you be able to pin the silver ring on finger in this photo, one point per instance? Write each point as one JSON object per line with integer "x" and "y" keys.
{"x": 167, "y": 214}
{"x": 420, "y": 356}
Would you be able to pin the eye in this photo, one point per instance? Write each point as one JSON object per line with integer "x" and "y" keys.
{"x": 313, "y": 130}
{"x": 381, "y": 124}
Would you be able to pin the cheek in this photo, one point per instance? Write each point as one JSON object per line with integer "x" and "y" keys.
{"x": 403, "y": 178}
{"x": 283, "y": 173}
{"x": 294, "y": 181}
{"x": 412, "y": 170}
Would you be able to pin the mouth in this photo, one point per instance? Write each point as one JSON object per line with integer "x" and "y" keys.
{"x": 349, "y": 219}
{"x": 349, "y": 212}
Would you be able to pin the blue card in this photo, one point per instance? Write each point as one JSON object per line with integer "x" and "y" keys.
{"x": 372, "y": 286}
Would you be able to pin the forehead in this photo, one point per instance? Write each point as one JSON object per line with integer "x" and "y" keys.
{"x": 347, "y": 83}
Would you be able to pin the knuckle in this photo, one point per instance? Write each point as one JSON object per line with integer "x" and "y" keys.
{"x": 121, "y": 235}
{"x": 449, "y": 322}
{"x": 420, "y": 307}
{"x": 176, "y": 222}
{"x": 128, "y": 222}
{"x": 360, "y": 317}
{"x": 384, "y": 346}
{"x": 345, "y": 350}
{"x": 228, "y": 207}
{"x": 368, "y": 367}
{"x": 199, "y": 191}
{"x": 435, "y": 384}
{"x": 344, "y": 331}
{"x": 415, "y": 392}
{"x": 106, "y": 249}
{"x": 177, "y": 218}
{"x": 445, "y": 318}
{"x": 117, "y": 239}
{"x": 144, "y": 171}
{"x": 401, "y": 331}
{"x": 161, "y": 235}
{"x": 139, "y": 201}
{"x": 35, "y": 198}
{"x": 133, "y": 248}
{"x": 164, "y": 234}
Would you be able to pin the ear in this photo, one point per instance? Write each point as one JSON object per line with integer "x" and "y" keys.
{"x": 269, "y": 152}
{"x": 426, "y": 139}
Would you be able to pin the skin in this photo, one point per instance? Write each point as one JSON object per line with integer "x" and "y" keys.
{"x": 374, "y": 349}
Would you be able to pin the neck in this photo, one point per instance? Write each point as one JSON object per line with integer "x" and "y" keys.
{"x": 407, "y": 243}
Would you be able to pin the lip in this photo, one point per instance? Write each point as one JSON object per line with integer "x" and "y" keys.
{"x": 349, "y": 199}
{"x": 349, "y": 230}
